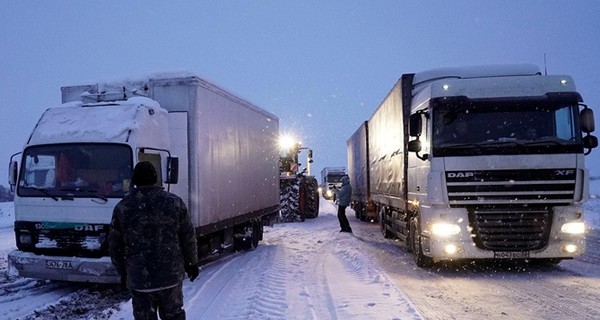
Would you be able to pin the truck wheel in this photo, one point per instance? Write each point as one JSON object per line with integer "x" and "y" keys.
{"x": 421, "y": 260}
{"x": 362, "y": 209}
{"x": 252, "y": 242}
{"x": 383, "y": 224}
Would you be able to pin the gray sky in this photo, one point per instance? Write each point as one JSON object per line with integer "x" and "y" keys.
{"x": 321, "y": 66}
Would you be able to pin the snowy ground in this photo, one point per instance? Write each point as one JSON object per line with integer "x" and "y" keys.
{"x": 310, "y": 271}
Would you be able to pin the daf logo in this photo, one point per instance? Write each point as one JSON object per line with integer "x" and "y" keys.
{"x": 467, "y": 174}
{"x": 566, "y": 172}
{"x": 90, "y": 227}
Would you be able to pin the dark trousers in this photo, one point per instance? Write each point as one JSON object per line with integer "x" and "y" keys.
{"x": 344, "y": 224}
{"x": 168, "y": 303}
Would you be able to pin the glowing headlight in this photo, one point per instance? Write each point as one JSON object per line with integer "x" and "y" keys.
{"x": 329, "y": 193}
{"x": 570, "y": 248}
{"x": 573, "y": 228}
{"x": 445, "y": 229}
{"x": 451, "y": 249}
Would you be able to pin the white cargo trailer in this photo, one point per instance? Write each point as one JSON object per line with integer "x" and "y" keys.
{"x": 215, "y": 150}
{"x": 358, "y": 172}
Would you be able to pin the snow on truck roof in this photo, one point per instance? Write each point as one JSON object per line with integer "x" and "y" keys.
{"x": 76, "y": 121}
{"x": 140, "y": 86}
{"x": 485, "y": 71}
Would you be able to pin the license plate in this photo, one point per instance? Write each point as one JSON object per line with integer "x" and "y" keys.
{"x": 511, "y": 254}
{"x": 63, "y": 265}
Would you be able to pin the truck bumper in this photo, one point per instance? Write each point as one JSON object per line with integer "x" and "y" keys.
{"x": 439, "y": 250}
{"x": 30, "y": 265}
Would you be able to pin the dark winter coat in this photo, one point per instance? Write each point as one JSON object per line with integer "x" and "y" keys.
{"x": 344, "y": 193}
{"x": 152, "y": 238}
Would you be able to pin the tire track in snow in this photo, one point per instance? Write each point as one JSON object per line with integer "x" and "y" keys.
{"x": 235, "y": 290}
{"x": 376, "y": 297}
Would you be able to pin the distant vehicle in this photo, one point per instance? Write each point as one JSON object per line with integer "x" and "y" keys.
{"x": 510, "y": 186}
{"x": 331, "y": 178}
{"x": 215, "y": 150}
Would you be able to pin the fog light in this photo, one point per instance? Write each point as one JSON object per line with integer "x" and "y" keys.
{"x": 25, "y": 239}
{"x": 573, "y": 228}
{"x": 570, "y": 248}
{"x": 451, "y": 249}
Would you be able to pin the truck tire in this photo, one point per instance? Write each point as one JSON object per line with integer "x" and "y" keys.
{"x": 421, "y": 260}
{"x": 383, "y": 224}
{"x": 362, "y": 211}
{"x": 289, "y": 205}
{"x": 251, "y": 243}
{"x": 311, "y": 198}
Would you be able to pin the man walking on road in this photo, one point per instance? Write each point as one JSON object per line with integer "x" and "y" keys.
{"x": 343, "y": 200}
{"x": 152, "y": 245}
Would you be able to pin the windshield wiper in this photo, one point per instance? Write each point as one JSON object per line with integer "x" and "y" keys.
{"x": 462, "y": 146}
{"x": 94, "y": 194}
{"x": 44, "y": 191}
{"x": 544, "y": 142}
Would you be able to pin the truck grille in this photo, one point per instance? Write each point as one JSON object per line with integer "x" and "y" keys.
{"x": 510, "y": 210}
{"x": 510, "y": 228}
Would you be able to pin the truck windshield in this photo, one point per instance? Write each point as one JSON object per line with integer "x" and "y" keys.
{"x": 335, "y": 178}
{"x": 507, "y": 128}
{"x": 75, "y": 170}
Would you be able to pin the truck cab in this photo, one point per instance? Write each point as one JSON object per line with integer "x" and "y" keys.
{"x": 496, "y": 164}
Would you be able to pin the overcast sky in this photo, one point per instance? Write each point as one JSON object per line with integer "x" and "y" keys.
{"x": 321, "y": 66}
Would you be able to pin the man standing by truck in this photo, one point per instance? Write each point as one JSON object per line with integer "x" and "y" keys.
{"x": 152, "y": 243}
{"x": 343, "y": 200}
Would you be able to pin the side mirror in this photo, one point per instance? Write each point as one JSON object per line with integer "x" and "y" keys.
{"x": 415, "y": 125}
{"x": 590, "y": 142}
{"x": 172, "y": 170}
{"x": 414, "y": 146}
{"x": 13, "y": 173}
{"x": 587, "y": 120}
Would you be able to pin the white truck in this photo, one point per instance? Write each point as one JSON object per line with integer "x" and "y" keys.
{"x": 510, "y": 186}
{"x": 331, "y": 178}
{"x": 215, "y": 150}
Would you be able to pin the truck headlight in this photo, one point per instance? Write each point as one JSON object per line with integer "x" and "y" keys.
{"x": 445, "y": 229}
{"x": 329, "y": 193}
{"x": 573, "y": 228}
{"x": 25, "y": 238}
{"x": 570, "y": 248}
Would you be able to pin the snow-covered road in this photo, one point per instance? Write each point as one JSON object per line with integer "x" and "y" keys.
{"x": 311, "y": 271}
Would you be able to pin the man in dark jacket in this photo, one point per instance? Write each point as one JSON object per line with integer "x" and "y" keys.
{"x": 343, "y": 200}
{"x": 152, "y": 244}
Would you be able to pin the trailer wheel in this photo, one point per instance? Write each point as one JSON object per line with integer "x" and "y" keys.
{"x": 421, "y": 260}
{"x": 252, "y": 242}
{"x": 362, "y": 211}
{"x": 383, "y": 224}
